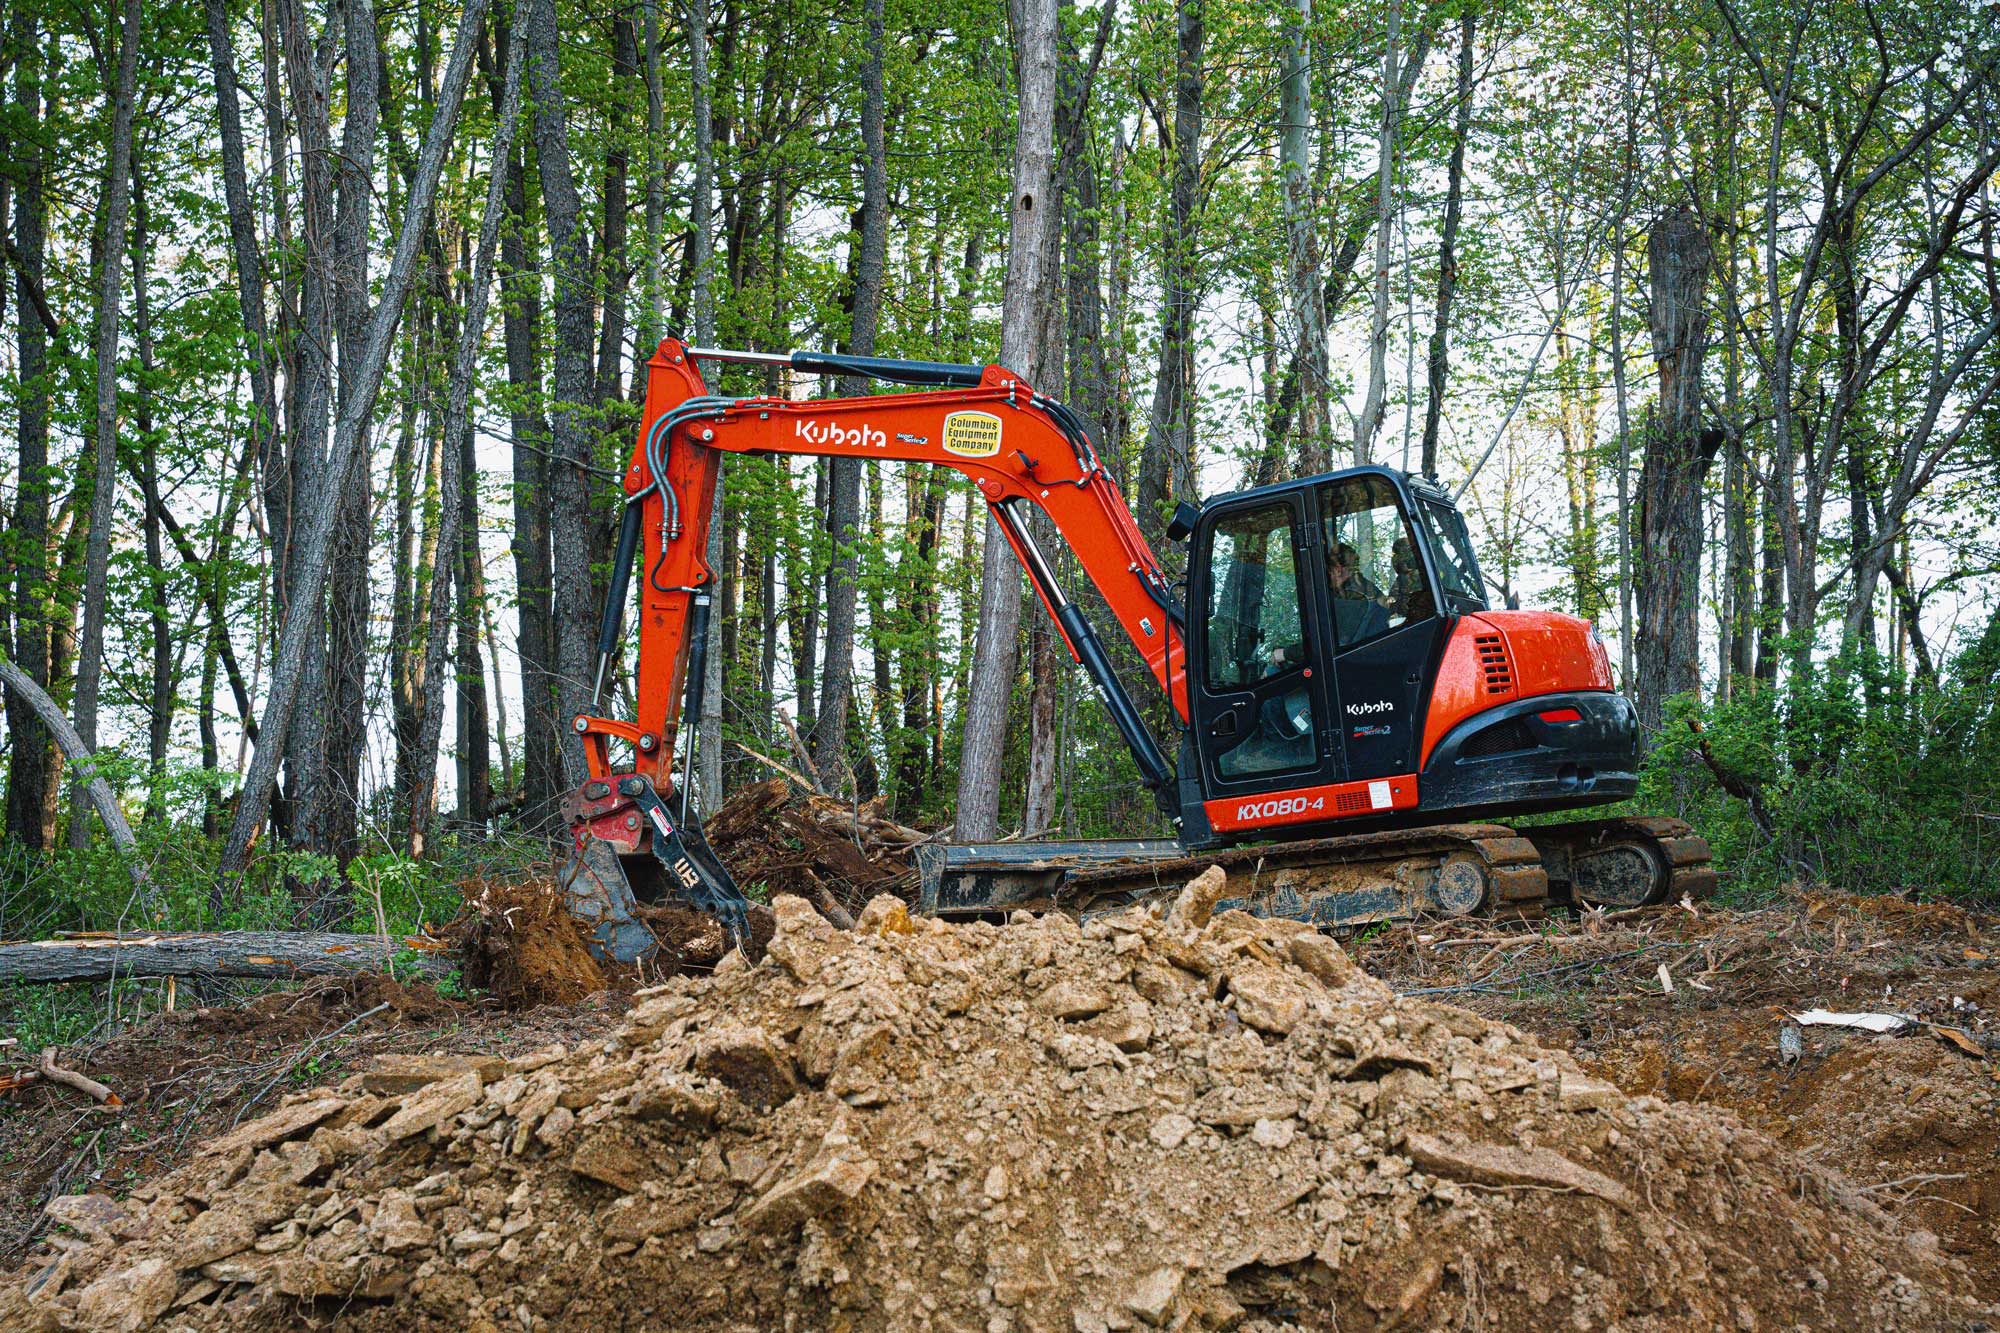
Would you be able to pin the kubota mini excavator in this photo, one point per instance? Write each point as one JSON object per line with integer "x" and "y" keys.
{"x": 1349, "y": 703}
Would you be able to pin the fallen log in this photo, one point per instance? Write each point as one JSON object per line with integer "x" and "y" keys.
{"x": 269, "y": 955}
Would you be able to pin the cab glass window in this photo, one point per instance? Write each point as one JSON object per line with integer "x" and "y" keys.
{"x": 1254, "y": 630}
{"x": 1451, "y": 548}
{"x": 1373, "y": 572}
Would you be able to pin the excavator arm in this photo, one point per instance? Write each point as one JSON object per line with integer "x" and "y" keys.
{"x": 1023, "y": 451}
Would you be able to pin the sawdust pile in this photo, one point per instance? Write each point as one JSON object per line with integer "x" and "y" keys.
{"x": 1152, "y": 1120}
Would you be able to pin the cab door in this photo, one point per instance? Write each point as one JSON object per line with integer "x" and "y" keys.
{"x": 1262, "y": 702}
{"x": 1381, "y": 613}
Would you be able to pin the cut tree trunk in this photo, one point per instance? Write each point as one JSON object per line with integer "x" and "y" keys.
{"x": 1671, "y": 473}
{"x": 270, "y": 955}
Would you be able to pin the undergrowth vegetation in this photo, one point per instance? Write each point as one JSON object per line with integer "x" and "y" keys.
{"x": 1861, "y": 777}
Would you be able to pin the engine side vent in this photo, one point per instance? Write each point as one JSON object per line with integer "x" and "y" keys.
{"x": 1501, "y": 738}
{"x": 1348, "y": 802}
{"x": 1493, "y": 661}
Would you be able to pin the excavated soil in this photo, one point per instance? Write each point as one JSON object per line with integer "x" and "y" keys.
{"x": 1911, "y": 1121}
{"x": 194, "y": 1072}
{"x": 1153, "y": 1120}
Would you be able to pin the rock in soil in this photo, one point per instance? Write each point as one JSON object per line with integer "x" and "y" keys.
{"x": 914, "y": 1126}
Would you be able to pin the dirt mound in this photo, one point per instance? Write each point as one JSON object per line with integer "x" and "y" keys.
{"x": 820, "y": 849}
{"x": 1153, "y": 1120}
{"x": 520, "y": 942}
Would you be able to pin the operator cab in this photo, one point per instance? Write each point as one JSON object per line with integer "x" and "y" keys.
{"x": 1317, "y": 612}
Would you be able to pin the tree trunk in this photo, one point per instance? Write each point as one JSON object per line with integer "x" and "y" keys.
{"x": 104, "y": 488}
{"x": 843, "y": 514}
{"x": 314, "y": 547}
{"x": 84, "y": 766}
{"x": 33, "y": 762}
{"x": 267, "y": 955}
{"x": 1166, "y": 464}
{"x": 1307, "y": 283}
{"x": 1676, "y": 460}
{"x": 541, "y": 763}
{"x": 1369, "y": 423}
{"x": 701, "y": 227}
{"x": 1031, "y": 212}
{"x": 458, "y": 544}
{"x": 336, "y": 809}
{"x": 160, "y": 704}
{"x": 1438, "y": 361}
{"x": 572, "y": 602}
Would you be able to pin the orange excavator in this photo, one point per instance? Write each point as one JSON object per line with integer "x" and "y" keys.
{"x": 1353, "y": 715}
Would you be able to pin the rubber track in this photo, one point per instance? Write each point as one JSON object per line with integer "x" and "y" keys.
{"x": 1686, "y": 854}
{"x": 1518, "y": 882}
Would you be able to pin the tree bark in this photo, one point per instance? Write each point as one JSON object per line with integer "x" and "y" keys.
{"x": 34, "y": 765}
{"x": 1307, "y": 282}
{"x": 701, "y": 226}
{"x": 1166, "y": 463}
{"x": 160, "y": 703}
{"x": 1438, "y": 359}
{"x": 332, "y": 821}
{"x": 1031, "y": 212}
{"x": 84, "y": 766}
{"x": 258, "y": 954}
{"x": 541, "y": 761}
{"x": 314, "y": 547}
{"x": 1675, "y": 462}
{"x": 458, "y": 505}
{"x": 573, "y": 608}
{"x": 843, "y": 515}
{"x": 104, "y": 488}
{"x": 1369, "y": 423}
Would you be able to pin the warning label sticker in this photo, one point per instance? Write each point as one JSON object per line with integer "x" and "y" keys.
{"x": 972, "y": 434}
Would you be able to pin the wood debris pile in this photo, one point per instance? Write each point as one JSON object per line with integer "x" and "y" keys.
{"x": 813, "y": 846}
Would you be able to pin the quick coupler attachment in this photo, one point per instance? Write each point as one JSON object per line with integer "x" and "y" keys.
{"x": 692, "y": 870}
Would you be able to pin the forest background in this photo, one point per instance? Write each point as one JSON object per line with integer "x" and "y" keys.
{"x": 324, "y": 325}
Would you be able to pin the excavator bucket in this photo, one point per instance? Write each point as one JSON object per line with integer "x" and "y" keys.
{"x": 621, "y": 823}
{"x": 600, "y": 897}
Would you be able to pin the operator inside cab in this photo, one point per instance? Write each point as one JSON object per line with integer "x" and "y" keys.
{"x": 1372, "y": 567}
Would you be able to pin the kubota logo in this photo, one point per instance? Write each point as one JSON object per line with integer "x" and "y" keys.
{"x": 1363, "y": 710}
{"x": 826, "y": 434}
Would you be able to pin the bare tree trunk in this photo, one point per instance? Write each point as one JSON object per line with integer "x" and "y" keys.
{"x": 1671, "y": 473}
{"x": 1029, "y": 286}
{"x": 843, "y": 515}
{"x": 336, "y": 809}
{"x": 460, "y": 543}
{"x": 33, "y": 762}
{"x": 701, "y": 225}
{"x": 160, "y": 705}
{"x": 104, "y": 488}
{"x": 314, "y": 547}
{"x": 541, "y": 764}
{"x": 83, "y": 766}
{"x": 573, "y": 611}
{"x": 1308, "y": 291}
{"x": 1438, "y": 361}
{"x": 1369, "y": 423}
{"x": 1166, "y": 463}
